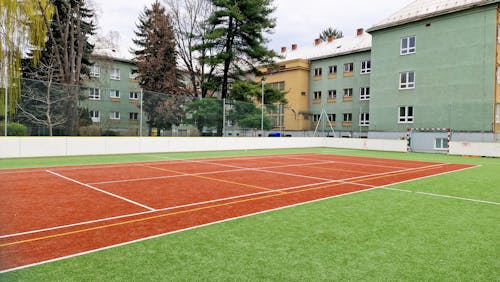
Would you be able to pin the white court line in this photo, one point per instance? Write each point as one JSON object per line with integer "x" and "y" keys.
{"x": 396, "y": 189}
{"x": 343, "y": 181}
{"x": 221, "y": 221}
{"x": 328, "y": 181}
{"x": 100, "y": 190}
{"x": 166, "y": 160}
{"x": 178, "y": 231}
{"x": 457, "y": 198}
{"x": 237, "y": 168}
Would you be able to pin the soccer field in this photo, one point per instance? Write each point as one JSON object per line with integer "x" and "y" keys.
{"x": 289, "y": 215}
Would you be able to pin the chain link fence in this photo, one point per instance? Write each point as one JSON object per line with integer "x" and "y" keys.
{"x": 51, "y": 109}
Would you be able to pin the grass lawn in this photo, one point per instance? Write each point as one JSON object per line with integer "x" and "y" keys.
{"x": 375, "y": 235}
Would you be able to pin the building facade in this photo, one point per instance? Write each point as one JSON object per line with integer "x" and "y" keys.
{"x": 292, "y": 77}
{"x": 114, "y": 96}
{"x": 434, "y": 66}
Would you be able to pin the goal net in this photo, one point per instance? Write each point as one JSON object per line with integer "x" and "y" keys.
{"x": 431, "y": 140}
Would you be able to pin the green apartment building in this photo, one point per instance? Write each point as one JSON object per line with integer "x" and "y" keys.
{"x": 435, "y": 65}
{"x": 114, "y": 96}
{"x": 340, "y": 86}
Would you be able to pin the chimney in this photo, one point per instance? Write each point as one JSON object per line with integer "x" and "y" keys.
{"x": 359, "y": 31}
{"x": 330, "y": 38}
{"x": 317, "y": 41}
{"x": 283, "y": 49}
{"x": 294, "y": 47}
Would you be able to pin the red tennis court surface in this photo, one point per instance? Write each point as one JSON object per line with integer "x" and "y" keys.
{"x": 51, "y": 213}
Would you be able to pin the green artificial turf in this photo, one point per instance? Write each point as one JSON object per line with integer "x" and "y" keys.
{"x": 375, "y": 235}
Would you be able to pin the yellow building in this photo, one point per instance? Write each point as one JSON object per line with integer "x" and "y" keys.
{"x": 292, "y": 77}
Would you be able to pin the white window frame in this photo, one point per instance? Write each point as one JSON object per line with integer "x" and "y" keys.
{"x": 317, "y": 95}
{"x": 95, "y": 116}
{"x": 332, "y": 69}
{"x": 408, "y": 50}
{"x": 133, "y": 116}
{"x": 364, "y": 93}
{"x": 332, "y": 94}
{"x": 406, "y": 83}
{"x": 318, "y": 71}
{"x": 364, "y": 119}
{"x": 114, "y": 93}
{"x": 93, "y": 95}
{"x": 406, "y": 117}
{"x": 316, "y": 117}
{"x": 114, "y": 74}
{"x": 133, "y": 95}
{"x": 347, "y": 92}
{"x": 133, "y": 74}
{"x": 95, "y": 71}
{"x": 366, "y": 67}
{"x": 349, "y": 67}
{"x": 348, "y": 116}
{"x": 332, "y": 117}
{"x": 440, "y": 142}
{"x": 114, "y": 115}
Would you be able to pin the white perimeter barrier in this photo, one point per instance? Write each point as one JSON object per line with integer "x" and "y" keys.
{"x": 13, "y": 147}
{"x": 485, "y": 149}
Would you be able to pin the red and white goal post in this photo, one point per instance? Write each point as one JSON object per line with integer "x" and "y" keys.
{"x": 410, "y": 130}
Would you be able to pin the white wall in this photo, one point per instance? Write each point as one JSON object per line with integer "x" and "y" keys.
{"x": 13, "y": 147}
{"x": 485, "y": 149}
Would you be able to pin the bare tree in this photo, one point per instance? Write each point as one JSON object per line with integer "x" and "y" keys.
{"x": 190, "y": 24}
{"x": 43, "y": 102}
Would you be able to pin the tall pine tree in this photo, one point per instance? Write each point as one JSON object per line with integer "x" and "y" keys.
{"x": 238, "y": 37}
{"x": 157, "y": 67}
{"x": 67, "y": 53}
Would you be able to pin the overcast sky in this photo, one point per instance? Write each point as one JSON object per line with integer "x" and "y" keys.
{"x": 298, "y": 21}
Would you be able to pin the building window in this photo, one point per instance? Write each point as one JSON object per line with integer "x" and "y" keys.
{"x": 407, "y": 80}
{"x": 332, "y": 69}
{"x": 317, "y": 95}
{"x": 114, "y": 93}
{"x": 349, "y": 67}
{"x": 347, "y": 92}
{"x": 134, "y": 116}
{"x": 364, "y": 119}
{"x": 366, "y": 66}
{"x": 332, "y": 117}
{"x": 95, "y": 116}
{"x": 133, "y": 95}
{"x": 278, "y": 86}
{"x": 347, "y": 117}
{"x": 406, "y": 114}
{"x": 133, "y": 74}
{"x": 95, "y": 94}
{"x": 441, "y": 143}
{"x": 316, "y": 117}
{"x": 95, "y": 71}
{"x": 114, "y": 74}
{"x": 364, "y": 93}
{"x": 332, "y": 94}
{"x": 408, "y": 45}
{"x": 318, "y": 72}
{"x": 114, "y": 115}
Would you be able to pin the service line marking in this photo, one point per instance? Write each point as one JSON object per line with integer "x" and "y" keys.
{"x": 100, "y": 190}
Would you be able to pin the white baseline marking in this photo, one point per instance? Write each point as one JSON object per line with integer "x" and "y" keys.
{"x": 100, "y": 190}
{"x": 224, "y": 220}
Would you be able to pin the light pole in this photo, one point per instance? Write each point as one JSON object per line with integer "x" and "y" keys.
{"x": 262, "y": 107}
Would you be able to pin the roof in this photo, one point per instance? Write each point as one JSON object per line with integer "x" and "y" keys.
{"x": 423, "y": 9}
{"x": 338, "y": 47}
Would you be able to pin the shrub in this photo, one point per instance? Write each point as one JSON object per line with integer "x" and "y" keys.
{"x": 14, "y": 129}
{"x": 110, "y": 133}
{"x": 91, "y": 130}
